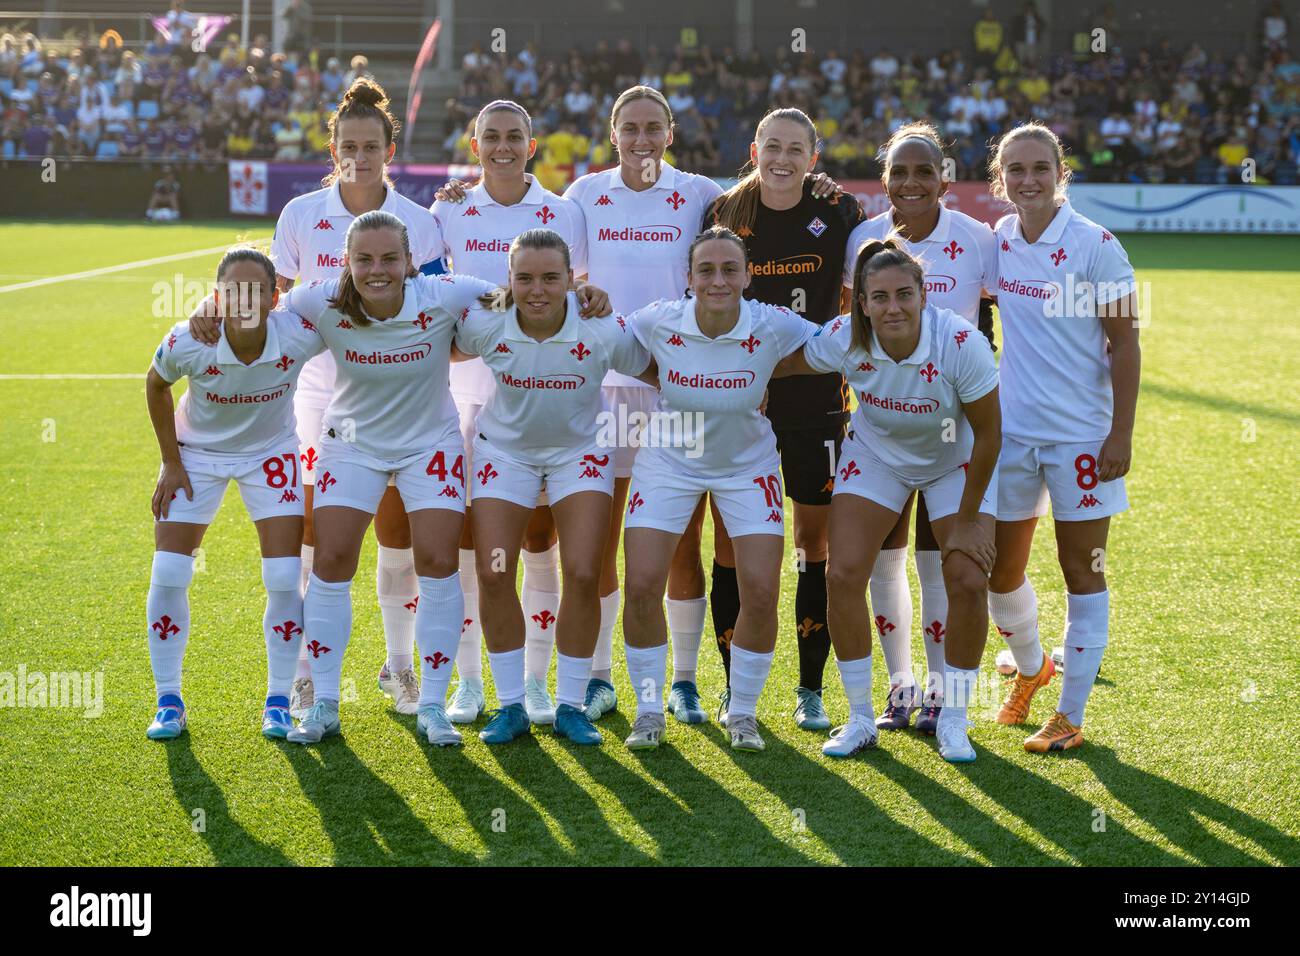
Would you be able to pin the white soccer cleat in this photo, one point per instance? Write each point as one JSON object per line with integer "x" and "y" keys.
{"x": 301, "y": 698}
{"x": 537, "y": 701}
{"x": 744, "y": 732}
{"x": 1006, "y": 662}
{"x": 647, "y": 731}
{"x": 321, "y": 721}
{"x": 954, "y": 744}
{"x": 406, "y": 696}
{"x": 432, "y": 722}
{"x": 468, "y": 702}
{"x": 857, "y": 735}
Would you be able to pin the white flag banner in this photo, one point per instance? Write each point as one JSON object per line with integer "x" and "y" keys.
{"x": 248, "y": 187}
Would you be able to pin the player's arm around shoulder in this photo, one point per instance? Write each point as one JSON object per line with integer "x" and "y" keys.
{"x": 299, "y": 336}
{"x": 480, "y": 324}
{"x": 822, "y": 351}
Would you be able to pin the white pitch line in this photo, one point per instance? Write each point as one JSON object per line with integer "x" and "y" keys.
{"x": 93, "y": 377}
{"x": 138, "y": 264}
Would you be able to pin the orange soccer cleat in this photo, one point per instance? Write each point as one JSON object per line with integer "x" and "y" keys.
{"x": 1057, "y": 734}
{"x": 1015, "y": 709}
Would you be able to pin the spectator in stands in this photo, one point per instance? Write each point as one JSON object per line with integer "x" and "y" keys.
{"x": 358, "y": 67}
{"x": 1273, "y": 29}
{"x": 298, "y": 26}
{"x": 165, "y": 202}
{"x": 988, "y": 38}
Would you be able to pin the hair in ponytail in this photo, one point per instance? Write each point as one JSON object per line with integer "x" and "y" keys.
{"x": 348, "y": 297}
{"x": 364, "y": 99}
{"x": 876, "y": 255}
{"x": 528, "y": 239}
{"x": 1030, "y": 130}
{"x": 503, "y": 106}
{"x": 247, "y": 254}
{"x": 737, "y": 208}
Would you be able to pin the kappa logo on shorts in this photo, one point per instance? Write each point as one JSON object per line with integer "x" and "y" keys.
{"x": 934, "y": 630}
{"x": 544, "y": 618}
{"x": 774, "y": 516}
{"x": 929, "y": 373}
{"x": 544, "y": 214}
{"x": 636, "y": 502}
{"x": 317, "y": 648}
{"x": 486, "y": 473}
{"x": 448, "y": 492}
{"x": 580, "y": 352}
{"x": 816, "y": 227}
{"x": 953, "y": 250}
{"x": 323, "y": 224}
{"x": 165, "y": 627}
{"x": 437, "y": 660}
{"x": 325, "y": 481}
{"x": 750, "y": 344}
{"x": 287, "y": 630}
{"x": 288, "y": 497}
{"x": 849, "y": 470}
{"x": 592, "y": 465}
{"x": 1089, "y": 501}
{"x": 884, "y": 625}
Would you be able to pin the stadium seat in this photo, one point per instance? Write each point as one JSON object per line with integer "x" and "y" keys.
{"x": 147, "y": 110}
{"x": 107, "y": 149}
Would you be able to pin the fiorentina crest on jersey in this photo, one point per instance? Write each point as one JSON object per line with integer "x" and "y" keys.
{"x": 816, "y": 227}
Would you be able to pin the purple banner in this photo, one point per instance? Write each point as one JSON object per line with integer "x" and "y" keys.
{"x": 416, "y": 181}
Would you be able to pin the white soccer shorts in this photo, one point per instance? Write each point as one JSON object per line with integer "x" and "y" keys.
{"x": 502, "y": 476}
{"x": 663, "y": 496}
{"x": 1028, "y": 475}
{"x": 860, "y": 472}
{"x": 269, "y": 484}
{"x": 434, "y": 478}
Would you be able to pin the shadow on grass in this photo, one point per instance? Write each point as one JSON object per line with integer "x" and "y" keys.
{"x": 1219, "y": 404}
{"x": 368, "y": 822}
{"x": 230, "y": 843}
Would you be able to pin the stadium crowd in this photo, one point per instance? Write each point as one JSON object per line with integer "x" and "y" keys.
{"x": 1159, "y": 114}
{"x": 95, "y": 98}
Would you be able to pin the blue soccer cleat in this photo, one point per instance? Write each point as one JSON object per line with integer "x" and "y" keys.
{"x": 432, "y": 721}
{"x": 169, "y": 722}
{"x": 810, "y": 712}
{"x": 276, "y": 722}
{"x": 684, "y": 702}
{"x": 601, "y": 698}
{"x": 574, "y": 723}
{"x": 505, "y": 725}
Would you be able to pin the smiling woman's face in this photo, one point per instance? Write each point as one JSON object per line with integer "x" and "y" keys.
{"x": 783, "y": 154}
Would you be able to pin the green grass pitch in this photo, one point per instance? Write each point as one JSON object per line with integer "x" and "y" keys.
{"x": 1189, "y": 759}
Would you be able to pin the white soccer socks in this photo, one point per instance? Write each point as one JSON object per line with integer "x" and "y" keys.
{"x": 1087, "y": 632}
{"x": 396, "y": 589}
{"x": 1015, "y": 615}
{"x": 934, "y": 621}
{"x": 168, "y": 613}
{"x": 686, "y": 627}
{"x": 541, "y": 602}
{"x": 891, "y": 603}
{"x": 282, "y": 622}
{"x": 437, "y": 633}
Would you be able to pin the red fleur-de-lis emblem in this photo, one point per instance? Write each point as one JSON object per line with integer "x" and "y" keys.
{"x": 422, "y": 320}
{"x": 750, "y": 344}
{"x": 284, "y": 363}
{"x": 1005, "y": 247}
{"x": 636, "y": 502}
{"x": 325, "y": 481}
{"x": 676, "y": 200}
{"x": 464, "y": 314}
{"x": 1059, "y": 256}
{"x": 1004, "y": 633}
{"x": 676, "y": 340}
{"x": 468, "y": 621}
{"x": 884, "y": 625}
{"x": 849, "y": 470}
{"x": 866, "y": 367}
{"x": 344, "y": 324}
{"x": 437, "y": 660}
{"x": 580, "y": 352}
{"x": 936, "y": 632}
{"x": 317, "y": 648}
{"x": 502, "y": 347}
{"x": 961, "y": 337}
{"x": 306, "y": 324}
{"x": 544, "y": 214}
{"x": 413, "y": 605}
{"x": 287, "y": 630}
{"x": 213, "y": 370}
{"x": 953, "y": 250}
{"x": 621, "y": 324}
{"x": 487, "y": 472}
{"x": 544, "y": 618}
{"x": 309, "y": 459}
{"x": 171, "y": 341}
{"x": 929, "y": 373}
{"x": 165, "y": 627}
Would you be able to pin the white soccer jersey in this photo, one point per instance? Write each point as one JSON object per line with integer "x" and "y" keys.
{"x": 637, "y": 242}
{"x": 547, "y": 394}
{"x": 309, "y": 244}
{"x": 233, "y": 410}
{"x": 392, "y": 398}
{"x": 723, "y": 379}
{"x": 904, "y": 407}
{"x": 476, "y": 237}
{"x": 959, "y": 258}
{"x": 1056, "y": 384}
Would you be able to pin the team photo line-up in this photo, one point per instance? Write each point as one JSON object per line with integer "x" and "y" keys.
{"x": 347, "y": 380}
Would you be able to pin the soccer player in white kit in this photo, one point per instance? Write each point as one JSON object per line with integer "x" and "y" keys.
{"x": 714, "y": 354}
{"x": 539, "y": 431}
{"x": 1070, "y": 371}
{"x": 476, "y": 232}
{"x": 234, "y": 423}
{"x": 308, "y": 246}
{"x": 960, "y": 261}
{"x": 927, "y": 420}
